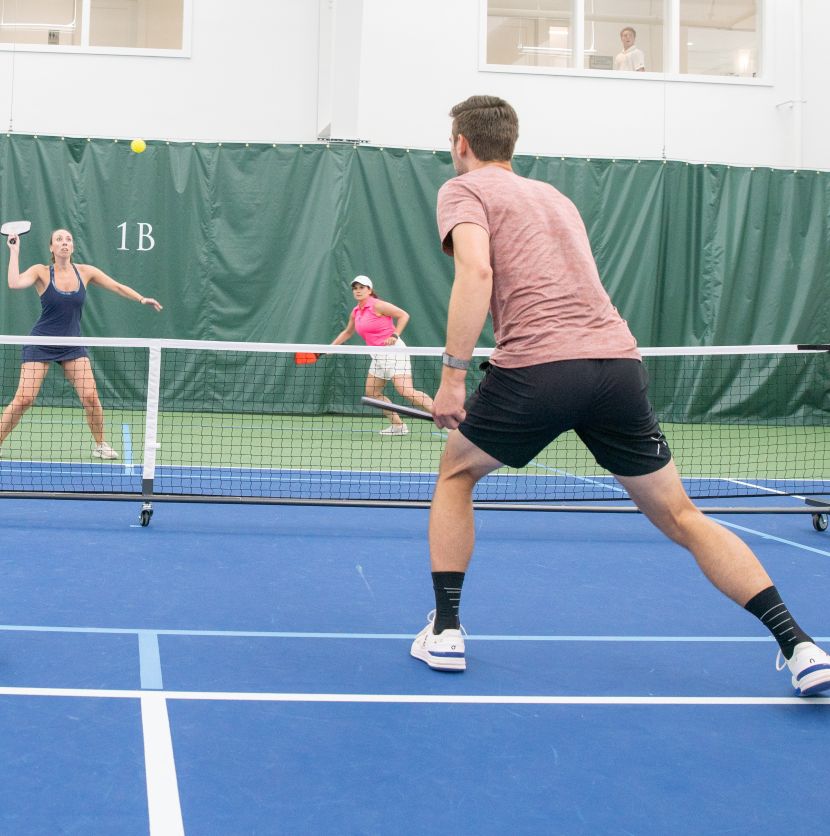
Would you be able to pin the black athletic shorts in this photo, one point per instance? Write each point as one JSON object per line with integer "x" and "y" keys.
{"x": 515, "y": 413}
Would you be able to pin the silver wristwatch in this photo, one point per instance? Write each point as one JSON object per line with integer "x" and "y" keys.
{"x": 454, "y": 362}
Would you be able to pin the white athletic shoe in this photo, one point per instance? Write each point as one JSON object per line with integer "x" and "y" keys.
{"x": 104, "y": 451}
{"x": 810, "y": 667}
{"x": 441, "y": 651}
{"x": 395, "y": 429}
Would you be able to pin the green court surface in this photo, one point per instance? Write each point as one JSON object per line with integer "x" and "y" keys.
{"x": 352, "y": 442}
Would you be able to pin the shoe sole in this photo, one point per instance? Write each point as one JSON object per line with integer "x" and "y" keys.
{"x": 102, "y": 456}
{"x": 813, "y": 683}
{"x": 440, "y": 663}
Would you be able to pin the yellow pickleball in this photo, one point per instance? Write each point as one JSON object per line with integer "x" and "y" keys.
{"x": 138, "y": 145}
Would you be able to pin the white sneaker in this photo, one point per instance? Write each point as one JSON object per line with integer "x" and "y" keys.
{"x": 442, "y": 651}
{"x": 395, "y": 429}
{"x": 810, "y": 667}
{"x": 104, "y": 451}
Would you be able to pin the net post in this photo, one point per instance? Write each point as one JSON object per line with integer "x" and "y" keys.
{"x": 151, "y": 422}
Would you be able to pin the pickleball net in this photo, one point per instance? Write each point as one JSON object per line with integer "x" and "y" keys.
{"x": 247, "y": 422}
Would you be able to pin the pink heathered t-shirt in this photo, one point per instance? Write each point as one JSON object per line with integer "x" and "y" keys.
{"x": 374, "y": 328}
{"x": 547, "y": 302}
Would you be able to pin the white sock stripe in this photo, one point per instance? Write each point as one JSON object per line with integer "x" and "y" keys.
{"x": 779, "y": 623}
{"x": 771, "y": 609}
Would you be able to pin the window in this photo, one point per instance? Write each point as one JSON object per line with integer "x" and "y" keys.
{"x": 604, "y": 24}
{"x": 680, "y": 38}
{"x": 40, "y": 22}
{"x": 719, "y": 37}
{"x": 529, "y": 33}
{"x": 103, "y": 25}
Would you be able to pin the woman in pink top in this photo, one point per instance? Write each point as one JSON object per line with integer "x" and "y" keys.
{"x": 373, "y": 318}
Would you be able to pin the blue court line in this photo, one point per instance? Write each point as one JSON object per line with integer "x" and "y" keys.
{"x": 547, "y": 484}
{"x": 262, "y": 634}
{"x": 149, "y": 659}
{"x": 606, "y": 485}
{"x": 223, "y": 471}
{"x": 127, "y": 448}
{"x": 765, "y": 536}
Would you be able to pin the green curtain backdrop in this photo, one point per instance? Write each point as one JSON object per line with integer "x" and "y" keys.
{"x": 259, "y": 242}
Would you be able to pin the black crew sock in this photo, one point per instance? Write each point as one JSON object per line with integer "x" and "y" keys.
{"x": 768, "y": 607}
{"x": 447, "y": 586}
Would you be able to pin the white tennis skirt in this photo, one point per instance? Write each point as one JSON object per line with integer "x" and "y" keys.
{"x": 393, "y": 364}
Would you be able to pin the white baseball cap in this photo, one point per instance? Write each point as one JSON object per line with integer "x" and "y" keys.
{"x": 364, "y": 280}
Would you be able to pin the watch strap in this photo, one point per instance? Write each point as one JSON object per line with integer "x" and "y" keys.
{"x": 454, "y": 362}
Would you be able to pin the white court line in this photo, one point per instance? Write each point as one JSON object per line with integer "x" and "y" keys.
{"x": 153, "y": 700}
{"x": 764, "y": 488}
{"x": 763, "y": 535}
{"x": 607, "y": 485}
{"x": 287, "y": 634}
{"x": 163, "y": 801}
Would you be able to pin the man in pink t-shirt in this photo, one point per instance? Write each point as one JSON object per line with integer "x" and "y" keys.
{"x": 564, "y": 359}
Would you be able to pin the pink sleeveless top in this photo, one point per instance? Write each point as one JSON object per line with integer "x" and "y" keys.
{"x": 374, "y": 329}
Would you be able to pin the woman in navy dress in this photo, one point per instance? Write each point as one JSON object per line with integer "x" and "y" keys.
{"x": 62, "y": 287}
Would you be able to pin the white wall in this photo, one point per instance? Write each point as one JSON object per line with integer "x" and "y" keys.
{"x": 435, "y": 59}
{"x": 816, "y": 73}
{"x": 253, "y": 76}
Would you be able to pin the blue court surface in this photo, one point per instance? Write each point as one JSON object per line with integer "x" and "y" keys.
{"x": 246, "y": 670}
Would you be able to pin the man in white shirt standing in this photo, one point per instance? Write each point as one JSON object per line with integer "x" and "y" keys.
{"x": 631, "y": 58}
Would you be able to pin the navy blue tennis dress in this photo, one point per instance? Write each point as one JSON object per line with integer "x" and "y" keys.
{"x": 60, "y": 317}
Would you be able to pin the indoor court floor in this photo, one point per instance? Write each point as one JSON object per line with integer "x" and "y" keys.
{"x": 239, "y": 669}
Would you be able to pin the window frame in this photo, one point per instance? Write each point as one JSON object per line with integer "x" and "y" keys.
{"x": 671, "y": 52}
{"x": 87, "y": 49}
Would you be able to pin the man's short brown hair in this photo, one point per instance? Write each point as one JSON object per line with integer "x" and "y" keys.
{"x": 489, "y": 124}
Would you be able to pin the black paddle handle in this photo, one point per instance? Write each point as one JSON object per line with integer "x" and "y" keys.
{"x": 409, "y": 411}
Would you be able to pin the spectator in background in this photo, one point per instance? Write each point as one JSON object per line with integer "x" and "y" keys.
{"x": 631, "y": 58}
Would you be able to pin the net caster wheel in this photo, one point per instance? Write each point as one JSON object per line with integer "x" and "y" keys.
{"x": 820, "y": 522}
{"x": 144, "y": 517}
